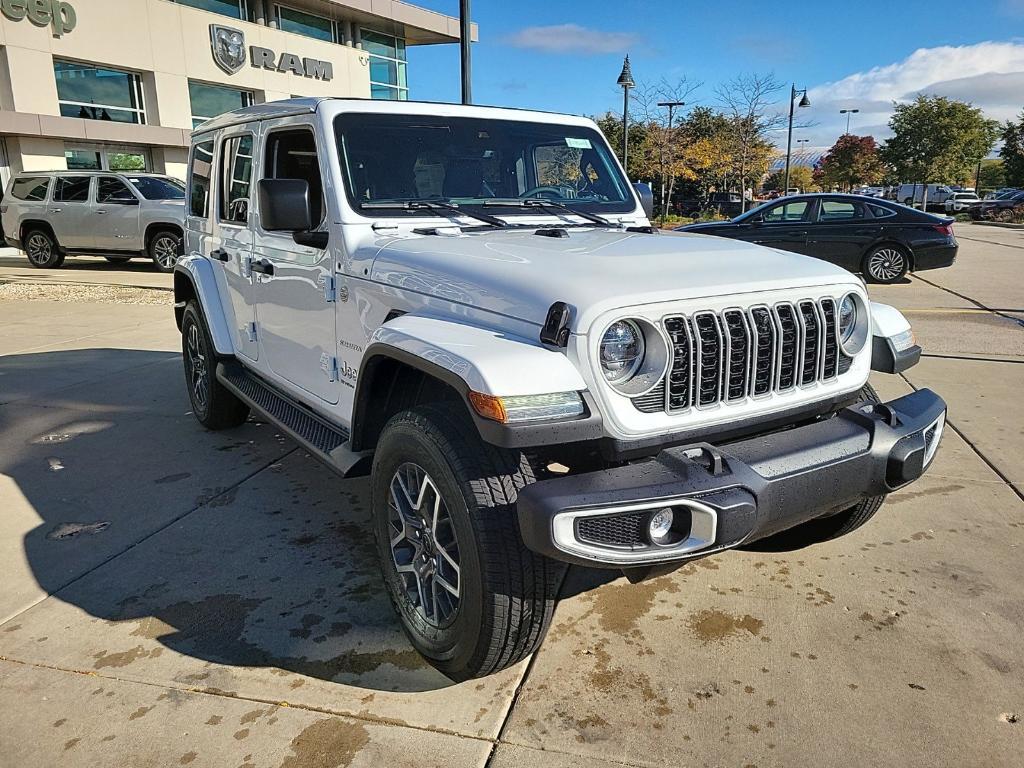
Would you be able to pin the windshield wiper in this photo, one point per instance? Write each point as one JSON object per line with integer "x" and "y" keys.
{"x": 435, "y": 205}
{"x": 536, "y": 202}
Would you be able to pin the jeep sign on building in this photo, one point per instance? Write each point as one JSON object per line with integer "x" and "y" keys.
{"x": 120, "y": 84}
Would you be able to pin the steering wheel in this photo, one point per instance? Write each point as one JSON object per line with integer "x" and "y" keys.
{"x": 539, "y": 191}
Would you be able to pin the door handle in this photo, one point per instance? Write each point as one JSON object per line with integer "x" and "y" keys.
{"x": 220, "y": 255}
{"x": 100, "y": 213}
{"x": 56, "y": 210}
{"x": 263, "y": 267}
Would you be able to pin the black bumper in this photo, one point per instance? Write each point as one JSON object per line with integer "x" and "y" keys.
{"x": 749, "y": 489}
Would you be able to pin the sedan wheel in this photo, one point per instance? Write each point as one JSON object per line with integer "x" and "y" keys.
{"x": 886, "y": 264}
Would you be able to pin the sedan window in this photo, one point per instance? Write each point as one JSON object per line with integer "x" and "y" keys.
{"x": 840, "y": 210}
{"x": 792, "y": 211}
{"x": 880, "y": 211}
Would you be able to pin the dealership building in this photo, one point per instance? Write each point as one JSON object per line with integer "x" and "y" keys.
{"x": 120, "y": 84}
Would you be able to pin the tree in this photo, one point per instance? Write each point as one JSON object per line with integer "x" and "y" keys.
{"x": 800, "y": 176}
{"x": 937, "y": 140}
{"x": 993, "y": 174}
{"x": 851, "y": 162}
{"x": 1012, "y": 152}
{"x": 747, "y": 102}
{"x": 611, "y": 126}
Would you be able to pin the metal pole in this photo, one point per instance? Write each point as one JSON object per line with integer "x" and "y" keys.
{"x": 977, "y": 179}
{"x": 625, "y": 130}
{"x": 789, "y": 138}
{"x": 465, "y": 29}
{"x": 847, "y": 122}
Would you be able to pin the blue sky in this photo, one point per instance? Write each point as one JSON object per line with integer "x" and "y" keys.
{"x": 564, "y": 55}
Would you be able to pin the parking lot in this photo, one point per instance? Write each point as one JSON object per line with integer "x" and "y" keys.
{"x": 173, "y": 596}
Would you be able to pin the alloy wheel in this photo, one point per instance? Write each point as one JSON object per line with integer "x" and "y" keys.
{"x": 165, "y": 251}
{"x": 424, "y": 549}
{"x": 197, "y": 369}
{"x": 39, "y": 248}
{"x": 886, "y": 264}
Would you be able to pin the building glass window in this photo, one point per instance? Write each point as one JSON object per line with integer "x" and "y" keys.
{"x": 236, "y": 9}
{"x": 387, "y": 65}
{"x": 307, "y": 24}
{"x": 208, "y": 101}
{"x": 113, "y": 157}
{"x": 97, "y": 93}
{"x": 83, "y": 160}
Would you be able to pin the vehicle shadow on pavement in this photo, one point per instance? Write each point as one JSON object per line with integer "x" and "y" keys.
{"x": 232, "y": 549}
{"x": 141, "y": 264}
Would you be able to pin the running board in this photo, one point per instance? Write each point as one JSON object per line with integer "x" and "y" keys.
{"x": 325, "y": 441}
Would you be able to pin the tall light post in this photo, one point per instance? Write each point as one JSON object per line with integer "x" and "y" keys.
{"x": 671, "y": 106}
{"x": 465, "y": 30}
{"x": 804, "y": 102}
{"x": 625, "y": 82}
{"x": 848, "y": 112}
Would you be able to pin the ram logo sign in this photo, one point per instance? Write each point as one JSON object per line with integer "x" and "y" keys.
{"x": 229, "y": 53}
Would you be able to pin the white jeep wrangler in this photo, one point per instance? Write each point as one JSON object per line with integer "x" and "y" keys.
{"x": 470, "y": 305}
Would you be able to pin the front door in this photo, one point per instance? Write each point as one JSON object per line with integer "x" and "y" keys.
{"x": 842, "y": 233}
{"x": 232, "y": 237}
{"x": 70, "y": 214}
{"x": 294, "y": 283}
{"x": 783, "y": 226}
{"x": 116, "y": 216}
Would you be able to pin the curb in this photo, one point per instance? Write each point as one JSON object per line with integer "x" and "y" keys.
{"x": 1003, "y": 224}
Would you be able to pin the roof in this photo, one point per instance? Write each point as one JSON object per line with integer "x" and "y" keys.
{"x": 84, "y": 172}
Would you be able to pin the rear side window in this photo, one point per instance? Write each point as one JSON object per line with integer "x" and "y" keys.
{"x": 840, "y": 210}
{"x": 880, "y": 211}
{"x": 236, "y": 178}
{"x": 112, "y": 190}
{"x": 71, "y": 189}
{"x": 199, "y": 176}
{"x": 292, "y": 155}
{"x": 30, "y": 187}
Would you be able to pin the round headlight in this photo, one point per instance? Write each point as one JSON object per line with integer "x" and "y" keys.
{"x": 622, "y": 351}
{"x": 853, "y": 324}
{"x": 847, "y": 318}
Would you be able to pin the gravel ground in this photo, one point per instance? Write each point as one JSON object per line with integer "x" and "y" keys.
{"x": 84, "y": 294}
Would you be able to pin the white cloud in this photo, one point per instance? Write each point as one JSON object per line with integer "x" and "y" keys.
{"x": 990, "y": 75}
{"x": 571, "y": 38}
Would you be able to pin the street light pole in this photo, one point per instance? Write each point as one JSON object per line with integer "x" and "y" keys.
{"x": 848, "y": 112}
{"x": 804, "y": 102}
{"x": 625, "y": 81}
{"x": 671, "y": 106}
{"x": 465, "y": 30}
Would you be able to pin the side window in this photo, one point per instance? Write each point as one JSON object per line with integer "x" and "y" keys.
{"x": 30, "y": 187}
{"x": 71, "y": 189}
{"x": 793, "y": 211}
{"x": 292, "y": 155}
{"x": 200, "y": 174}
{"x": 840, "y": 210}
{"x": 236, "y": 178}
{"x": 112, "y": 190}
{"x": 881, "y": 212}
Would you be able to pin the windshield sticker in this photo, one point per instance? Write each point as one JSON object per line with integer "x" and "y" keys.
{"x": 578, "y": 143}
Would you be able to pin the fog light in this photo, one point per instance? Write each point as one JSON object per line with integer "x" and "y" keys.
{"x": 660, "y": 526}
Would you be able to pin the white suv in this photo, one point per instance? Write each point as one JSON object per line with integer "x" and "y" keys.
{"x": 470, "y": 305}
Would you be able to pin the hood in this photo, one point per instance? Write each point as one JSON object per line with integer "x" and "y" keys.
{"x": 701, "y": 226}
{"x": 521, "y": 274}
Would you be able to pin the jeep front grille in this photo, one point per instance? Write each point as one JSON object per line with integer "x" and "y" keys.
{"x": 728, "y": 356}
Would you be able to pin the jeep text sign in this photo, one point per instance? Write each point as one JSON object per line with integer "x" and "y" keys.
{"x": 58, "y": 14}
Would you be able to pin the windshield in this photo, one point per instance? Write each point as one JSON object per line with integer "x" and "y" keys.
{"x": 158, "y": 187}
{"x": 475, "y": 163}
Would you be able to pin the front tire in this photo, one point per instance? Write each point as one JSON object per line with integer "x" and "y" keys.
{"x": 470, "y": 596}
{"x": 164, "y": 249}
{"x": 886, "y": 264}
{"x": 42, "y": 250}
{"x": 213, "y": 404}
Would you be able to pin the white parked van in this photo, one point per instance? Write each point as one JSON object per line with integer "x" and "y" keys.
{"x": 914, "y": 194}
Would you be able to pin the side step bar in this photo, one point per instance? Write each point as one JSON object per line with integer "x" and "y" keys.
{"x": 325, "y": 441}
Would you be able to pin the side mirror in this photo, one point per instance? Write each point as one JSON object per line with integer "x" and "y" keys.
{"x": 285, "y": 205}
{"x": 646, "y": 196}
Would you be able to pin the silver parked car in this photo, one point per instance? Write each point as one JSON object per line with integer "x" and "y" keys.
{"x": 49, "y": 215}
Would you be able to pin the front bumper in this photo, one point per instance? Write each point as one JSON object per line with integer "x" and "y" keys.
{"x": 722, "y": 497}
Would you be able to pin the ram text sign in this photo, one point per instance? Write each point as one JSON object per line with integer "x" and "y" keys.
{"x": 55, "y": 13}
{"x": 229, "y": 53}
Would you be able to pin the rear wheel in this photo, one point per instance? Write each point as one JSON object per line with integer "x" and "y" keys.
{"x": 470, "y": 596}
{"x": 41, "y": 249}
{"x": 213, "y": 404}
{"x": 886, "y": 264}
{"x": 164, "y": 248}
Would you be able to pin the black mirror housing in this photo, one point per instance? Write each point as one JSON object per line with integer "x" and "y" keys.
{"x": 285, "y": 205}
{"x": 646, "y": 196}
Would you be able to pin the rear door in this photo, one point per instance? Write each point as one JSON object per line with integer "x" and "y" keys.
{"x": 231, "y": 241}
{"x": 70, "y": 213}
{"x": 116, "y": 216}
{"x": 294, "y": 283}
{"x": 842, "y": 232}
